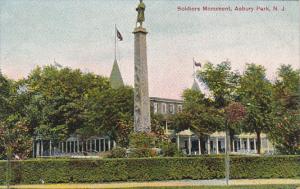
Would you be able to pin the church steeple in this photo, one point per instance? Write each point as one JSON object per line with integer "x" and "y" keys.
{"x": 195, "y": 86}
{"x": 115, "y": 79}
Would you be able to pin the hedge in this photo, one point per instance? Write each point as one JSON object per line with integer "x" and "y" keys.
{"x": 146, "y": 169}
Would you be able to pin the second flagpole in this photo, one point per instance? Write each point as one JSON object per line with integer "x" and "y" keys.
{"x": 115, "y": 42}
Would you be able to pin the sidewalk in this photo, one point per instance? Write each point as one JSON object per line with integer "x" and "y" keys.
{"x": 162, "y": 183}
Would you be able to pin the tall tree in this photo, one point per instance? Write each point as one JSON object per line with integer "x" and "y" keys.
{"x": 198, "y": 114}
{"x": 255, "y": 92}
{"x": 56, "y": 107}
{"x": 286, "y": 108}
{"x": 106, "y": 110}
{"x": 222, "y": 83}
{"x": 5, "y": 87}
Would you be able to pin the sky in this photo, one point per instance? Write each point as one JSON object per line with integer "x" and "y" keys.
{"x": 80, "y": 34}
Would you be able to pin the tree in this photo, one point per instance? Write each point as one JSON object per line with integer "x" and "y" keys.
{"x": 5, "y": 87}
{"x": 286, "y": 110}
{"x": 222, "y": 84}
{"x": 56, "y": 106}
{"x": 255, "y": 92}
{"x": 220, "y": 81}
{"x": 124, "y": 128}
{"x": 14, "y": 136}
{"x": 198, "y": 114}
{"x": 105, "y": 110}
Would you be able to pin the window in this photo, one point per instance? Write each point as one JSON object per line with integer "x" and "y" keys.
{"x": 155, "y": 107}
{"x": 171, "y": 108}
{"x": 179, "y": 108}
{"x": 163, "y": 108}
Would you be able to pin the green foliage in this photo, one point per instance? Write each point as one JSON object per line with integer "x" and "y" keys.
{"x": 142, "y": 140}
{"x": 198, "y": 114}
{"x": 124, "y": 128}
{"x": 118, "y": 152}
{"x": 285, "y": 130}
{"x": 170, "y": 150}
{"x": 56, "y": 106}
{"x": 14, "y": 137}
{"x": 255, "y": 92}
{"x": 222, "y": 84}
{"x": 5, "y": 106}
{"x": 141, "y": 152}
{"x": 158, "y": 122}
{"x": 142, "y": 144}
{"x": 220, "y": 81}
{"x": 147, "y": 169}
{"x": 107, "y": 110}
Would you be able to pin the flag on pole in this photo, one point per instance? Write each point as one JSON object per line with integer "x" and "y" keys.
{"x": 119, "y": 36}
{"x": 198, "y": 64}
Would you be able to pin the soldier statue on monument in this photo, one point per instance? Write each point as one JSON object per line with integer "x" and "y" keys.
{"x": 140, "y": 17}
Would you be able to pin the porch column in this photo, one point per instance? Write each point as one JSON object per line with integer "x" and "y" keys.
{"x": 74, "y": 150}
{"x": 108, "y": 144}
{"x": 91, "y": 145}
{"x": 33, "y": 147}
{"x": 70, "y": 150}
{"x": 78, "y": 150}
{"x": 268, "y": 147}
{"x": 38, "y": 148}
{"x": 241, "y": 144}
{"x": 233, "y": 145}
{"x": 190, "y": 146}
{"x": 114, "y": 144}
{"x": 254, "y": 140}
{"x": 104, "y": 149}
{"x": 199, "y": 146}
{"x": 50, "y": 146}
{"x": 248, "y": 144}
{"x": 217, "y": 145}
{"x": 42, "y": 148}
{"x": 225, "y": 143}
{"x": 99, "y": 145}
{"x": 208, "y": 145}
{"x": 178, "y": 143}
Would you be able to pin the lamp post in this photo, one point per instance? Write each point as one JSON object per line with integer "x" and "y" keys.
{"x": 7, "y": 143}
{"x": 227, "y": 151}
{"x": 234, "y": 113}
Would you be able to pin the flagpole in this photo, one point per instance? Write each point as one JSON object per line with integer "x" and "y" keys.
{"x": 115, "y": 42}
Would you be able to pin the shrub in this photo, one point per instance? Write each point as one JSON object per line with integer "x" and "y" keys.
{"x": 170, "y": 150}
{"x": 118, "y": 152}
{"x": 147, "y": 169}
{"x": 140, "y": 152}
{"x": 142, "y": 140}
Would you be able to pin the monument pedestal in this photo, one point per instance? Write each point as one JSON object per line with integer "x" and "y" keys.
{"x": 142, "y": 121}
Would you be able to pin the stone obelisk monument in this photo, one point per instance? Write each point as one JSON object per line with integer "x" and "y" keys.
{"x": 141, "y": 94}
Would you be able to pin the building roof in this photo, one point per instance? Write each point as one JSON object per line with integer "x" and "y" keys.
{"x": 158, "y": 99}
{"x": 115, "y": 79}
{"x": 186, "y": 132}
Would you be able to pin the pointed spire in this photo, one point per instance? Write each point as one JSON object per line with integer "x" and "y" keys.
{"x": 195, "y": 86}
{"x": 115, "y": 79}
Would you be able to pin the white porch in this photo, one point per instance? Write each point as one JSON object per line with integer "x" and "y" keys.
{"x": 73, "y": 146}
